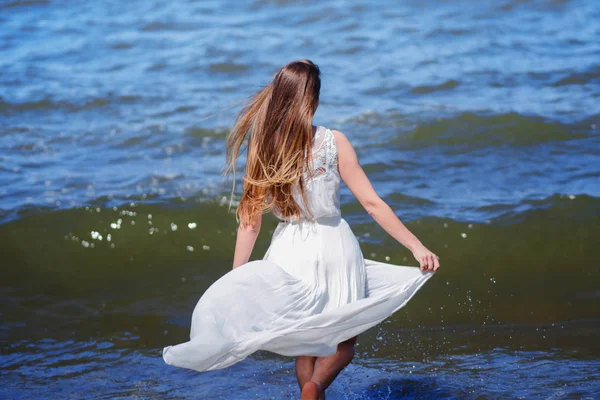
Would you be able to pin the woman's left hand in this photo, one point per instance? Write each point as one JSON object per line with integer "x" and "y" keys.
{"x": 427, "y": 260}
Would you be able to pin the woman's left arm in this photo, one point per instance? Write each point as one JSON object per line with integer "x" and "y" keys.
{"x": 245, "y": 240}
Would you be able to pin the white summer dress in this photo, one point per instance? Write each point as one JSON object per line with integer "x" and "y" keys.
{"x": 312, "y": 290}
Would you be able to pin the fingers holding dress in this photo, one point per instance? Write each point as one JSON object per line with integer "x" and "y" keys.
{"x": 428, "y": 261}
{"x": 436, "y": 261}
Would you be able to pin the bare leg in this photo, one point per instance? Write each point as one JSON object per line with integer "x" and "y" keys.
{"x": 327, "y": 369}
{"x": 312, "y": 391}
{"x": 305, "y": 366}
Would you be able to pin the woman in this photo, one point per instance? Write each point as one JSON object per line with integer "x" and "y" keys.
{"x": 313, "y": 292}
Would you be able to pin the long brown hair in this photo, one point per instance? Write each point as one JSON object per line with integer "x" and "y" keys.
{"x": 278, "y": 124}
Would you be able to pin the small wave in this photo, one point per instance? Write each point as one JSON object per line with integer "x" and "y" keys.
{"x": 349, "y": 27}
{"x": 197, "y": 132}
{"x": 27, "y": 106}
{"x": 349, "y": 50}
{"x": 448, "y": 85}
{"x": 311, "y": 19}
{"x": 553, "y": 208}
{"x": 121, "y": 46}
{"x": 155, "y": 26}
{"x": 178, "y": 110}
{"x": 580, "y": 78}
{"x": 592, "y": 175}
{"x": 496, "y": 130}
{"x": 383, "y": 166}
{"x": 158, "y": 179}
{"x": 135, "y": 141}
{"x": 373, "y": 118}
{"x": 49, "y": 104}
{"x": 447, "y": 32}
{"x": 23, "y": 3}
{"x": 279, "y": 3}
{"x": 164, "y": 26}
{"x": 159, "y": 66}
{"x": 228, "y": 67}
{"x": 404, "y": 200}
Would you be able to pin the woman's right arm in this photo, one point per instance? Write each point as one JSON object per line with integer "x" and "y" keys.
{"x": 357, "y": 181}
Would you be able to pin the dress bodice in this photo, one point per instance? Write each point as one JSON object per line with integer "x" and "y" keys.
{"x": 322, "y": 184}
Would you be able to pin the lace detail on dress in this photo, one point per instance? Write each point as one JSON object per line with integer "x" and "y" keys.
{"x": 324, "y": 154}
{"x": 331, "y": 152}
{"x": 322, "y": 181}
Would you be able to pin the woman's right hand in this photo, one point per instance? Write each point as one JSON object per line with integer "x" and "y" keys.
{"x": 427, "y": 260}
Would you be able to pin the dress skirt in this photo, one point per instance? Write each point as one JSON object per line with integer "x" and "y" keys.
{"x": 312, "y": 290}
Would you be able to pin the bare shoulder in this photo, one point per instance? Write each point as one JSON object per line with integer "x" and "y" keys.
{"x": 341, "y": 140}
{"x": 339, "y": 135}
{"x": 344, "y": 147}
